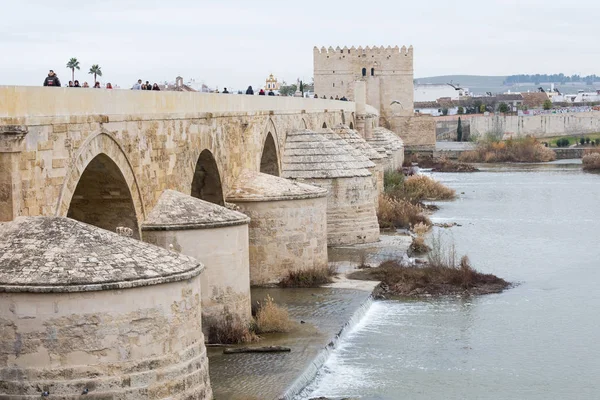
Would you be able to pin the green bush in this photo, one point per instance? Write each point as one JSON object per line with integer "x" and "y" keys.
{"x": 563, "y": 142}
{"x": 392, "y": 180}
{"x": 582, "y": 141}
{"x": 587, "y": 140}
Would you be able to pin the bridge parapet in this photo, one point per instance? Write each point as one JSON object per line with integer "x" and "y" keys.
{"x": 28, "y": 101}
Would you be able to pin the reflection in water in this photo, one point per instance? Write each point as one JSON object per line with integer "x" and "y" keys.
{"x": 533, "y": 224}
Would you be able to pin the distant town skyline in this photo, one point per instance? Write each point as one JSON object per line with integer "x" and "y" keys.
{"x": 234, "y": 43}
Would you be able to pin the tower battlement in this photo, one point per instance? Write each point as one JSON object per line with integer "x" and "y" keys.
{"x": 364, "y": 50}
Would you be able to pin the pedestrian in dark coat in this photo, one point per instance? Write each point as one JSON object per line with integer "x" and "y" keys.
{"x": 52, "y": 80}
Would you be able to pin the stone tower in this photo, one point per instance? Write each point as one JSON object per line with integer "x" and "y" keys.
{"x": 387, "y": 72}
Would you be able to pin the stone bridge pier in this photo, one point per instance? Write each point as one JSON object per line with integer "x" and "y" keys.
{"x": 252, "y": 187}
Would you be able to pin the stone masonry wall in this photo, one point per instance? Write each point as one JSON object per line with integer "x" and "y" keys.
{"x": 226, "y": 278}
{"x": 286, "y": 236}
{"x": 351, "y": 215}
{"x": 141, "y": 343}
{"x": 540, "y": 126}
{"x": 417, "y": 132}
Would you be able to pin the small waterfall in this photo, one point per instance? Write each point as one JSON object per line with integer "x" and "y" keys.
{"x": 315, "y": 366}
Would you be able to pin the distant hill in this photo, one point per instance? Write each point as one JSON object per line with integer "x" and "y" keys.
{"x": 481, "y": 84}
{"x": 475, "y": 83}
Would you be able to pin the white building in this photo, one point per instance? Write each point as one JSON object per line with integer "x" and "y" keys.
{"x": 432, "y": 92}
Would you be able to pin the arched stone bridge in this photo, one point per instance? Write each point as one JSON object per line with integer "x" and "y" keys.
{"x": 105, "y": 157}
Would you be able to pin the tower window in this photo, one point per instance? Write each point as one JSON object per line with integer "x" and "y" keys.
{"x": 333, "y": 84}
{"x": 364, "y": 72}
{"x": 372, "y": 71}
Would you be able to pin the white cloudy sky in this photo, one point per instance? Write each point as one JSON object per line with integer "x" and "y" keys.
{"x": 236, "y": 43}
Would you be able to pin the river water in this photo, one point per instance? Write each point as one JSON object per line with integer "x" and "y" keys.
{"x": 538, "y": 225}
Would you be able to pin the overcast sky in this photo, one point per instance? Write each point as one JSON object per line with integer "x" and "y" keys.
{"x": 236, "y": 43}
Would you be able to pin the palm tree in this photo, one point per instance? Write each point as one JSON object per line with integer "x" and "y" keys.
{"x": 73, "y": 64}
{"x": 95, "y": 70}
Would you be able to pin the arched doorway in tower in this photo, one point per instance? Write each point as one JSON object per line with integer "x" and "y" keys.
{"x": 269, "y": 163}
{"x": 102, "y": 197}
{"x": 206, "y": 184}
{"x": 351, "y": 125}
{"x": 324, "y": 125}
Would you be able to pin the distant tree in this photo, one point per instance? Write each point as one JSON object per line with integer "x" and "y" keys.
{"x": 444, "y": 111}
{"x": 73, "y": 64}
{"x": 461, "y": 111}
{"x": 482, "y": 108}
{"x": 96, "y": 71}
{"x": 582, "y": 141}
{"x": 287, "y": 90}
{"x": 503, "y": 107}
{"x": 547, "y": 104}
{"x": 459, "y": 132}
{"x": 302, "y": 88}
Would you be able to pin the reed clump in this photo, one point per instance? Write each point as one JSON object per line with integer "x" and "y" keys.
{"x": 271, "y": 317}
{"x": 230, "y": 329}
{"x": 591, "y": 160}
{"x": 308, "y": 278}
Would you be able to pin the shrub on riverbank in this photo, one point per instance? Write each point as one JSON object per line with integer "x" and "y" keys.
{"x": 272, "y": 318}
{"x": 526, "y": 149}
{"x": 415, "y": 188}
{"x": 421, "y": 187}
{"x": 400, "y": 206}
{"x": 229, "y": 330}
{"x": 591, "y": 162}
{"x": 394, "y": 213}
{"x": 308, "y": 278}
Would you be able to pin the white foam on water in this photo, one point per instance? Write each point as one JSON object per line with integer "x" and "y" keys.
{"x": 327, "y": 360}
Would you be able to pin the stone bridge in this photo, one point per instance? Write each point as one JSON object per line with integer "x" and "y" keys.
{"x": 139, "y": 144}
{"x": 165, "y": 167}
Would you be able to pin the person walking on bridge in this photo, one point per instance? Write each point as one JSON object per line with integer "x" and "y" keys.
{"x": 52, "y": 80}
{"x": 250, "y": 90}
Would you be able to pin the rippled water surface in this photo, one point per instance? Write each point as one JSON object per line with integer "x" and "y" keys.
{"x": 536, "y": 225}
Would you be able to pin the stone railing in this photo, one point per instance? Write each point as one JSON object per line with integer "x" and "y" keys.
{"x": 30, "y": 101}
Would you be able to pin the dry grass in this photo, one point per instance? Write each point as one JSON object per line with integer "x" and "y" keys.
{"x": 527, "y": 149}
{"x": 422, "y": 187}
{"x": 394, "y": 213}
{"x": 308, "y": 278}
{"x": 229, "y": 330}
{"x": 272, "y": 318}
{"x": 591, "y": 160}
{"x": 418, "y": 244}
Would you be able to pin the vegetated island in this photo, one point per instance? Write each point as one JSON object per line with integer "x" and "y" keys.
{"x": 427, "y": 280}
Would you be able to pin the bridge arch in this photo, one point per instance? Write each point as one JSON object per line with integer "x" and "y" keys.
{"x": 269, "y": 161}
{"x": 206, "y": 183}
{"x": 303, "y": 123}
{"x": 101, "y": 189}
{"x": 269, "y": 155}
